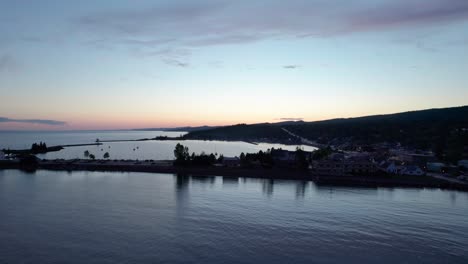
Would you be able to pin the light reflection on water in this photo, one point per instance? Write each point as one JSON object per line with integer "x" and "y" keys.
{"x": 83, "y": 217}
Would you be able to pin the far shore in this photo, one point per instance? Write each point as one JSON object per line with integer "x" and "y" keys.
{"x": 164, "y": 138}
{"x": 166, "y": 166}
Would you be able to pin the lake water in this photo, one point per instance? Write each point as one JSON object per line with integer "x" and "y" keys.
{"x": 96, "y": 217}
{"x": 157, "y": 150}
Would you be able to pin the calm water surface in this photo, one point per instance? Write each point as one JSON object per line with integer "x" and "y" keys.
{"x": 95, "y": 217}
{"x": 157, "y": 150}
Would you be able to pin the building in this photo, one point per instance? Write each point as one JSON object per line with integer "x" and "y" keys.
{"x": 360, "y": 165}
{"x": 463, "y": 164}
{"x": 421, "y": 159}
{"x": 332, "y": 165}
{"x": 435, "y": 166}
{"x": 411, "y": 170}
{"x": 2, "y": 155}
{"x": 231, "y": 162}
{"x": 339, "y": 165}
{"x": 392, "y": 166}
{"x": 283, "y": 155}
{"x": 286, "y": 158}
{"x": 328, "y": 167}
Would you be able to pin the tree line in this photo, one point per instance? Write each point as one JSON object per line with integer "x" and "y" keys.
{"x": 183, "y": 157}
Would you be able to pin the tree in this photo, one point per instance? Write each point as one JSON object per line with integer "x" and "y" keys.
{"x": 106, "y": 155}
{"x": 86, "y": 153}
{"x": 321, "y": 153}
{"x": 91, "y": 156}
{"x": 212, "y": 158}
{"x": 39, "y": 148}
{"x": 301, "y": 160}
{"x": 243, "y": 160}
{"x": 181, "y": 154}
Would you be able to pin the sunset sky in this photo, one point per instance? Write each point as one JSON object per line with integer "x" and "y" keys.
{"x": 133, "y": 64}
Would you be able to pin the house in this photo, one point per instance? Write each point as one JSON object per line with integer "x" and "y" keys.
{"x": 283, "y": 155}
{"x": 363, "y": 164}
{"x": 231, "y": 161}
{"x": 435, "y": 166}
{"x": 463, "y": 163}
{"x": 462, "y": 178}
{"x": 411, "y": 170}
{"x": 421, "y": 159}
{"x": 336, "y": 156}
{"x": 392, "y": 167}
{"x": 338, "y": 165}
{"x": 328, "y": 167}
{"x": 285, "y": 158}
{"x": 331, "y": 165}
{"x": 398, "y": 167}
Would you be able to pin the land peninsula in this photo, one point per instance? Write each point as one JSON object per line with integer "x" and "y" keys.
{"x": 427, "y": 148}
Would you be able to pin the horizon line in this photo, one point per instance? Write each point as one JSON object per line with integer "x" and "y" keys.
{"x": 188, "y": 126}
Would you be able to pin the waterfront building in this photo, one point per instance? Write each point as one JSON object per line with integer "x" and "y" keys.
{"x": 338, "y": 165}
{"x": 286, "y": 158}
{"x": 463, "y": 163}
{"x": 231, "y": 162}
{"x": 392, "y": 166}
{"x": 435, "y": 166}
{"x": 411, "y": 170}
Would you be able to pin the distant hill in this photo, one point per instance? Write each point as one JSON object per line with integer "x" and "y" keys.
{"x": 177, "y": 129}
{"x": 415, "y": 128}
{"x": 425, "y": 129}
{"x": 257, "y": 132}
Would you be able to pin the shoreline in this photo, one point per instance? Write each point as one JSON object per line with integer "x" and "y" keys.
{"x": 166, "y": 166}
{"x": 175, "y": 139}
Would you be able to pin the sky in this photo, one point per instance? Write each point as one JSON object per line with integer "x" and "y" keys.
{"x": 70, "y": 65}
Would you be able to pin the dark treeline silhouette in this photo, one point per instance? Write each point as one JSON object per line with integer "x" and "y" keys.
{"x": 298, "y": 159}
{"x": 162, "y": 138}
{"x": 183, "y": 158}
{"x": 321, "y": 153}
{"x": 264, "y": 159}
{"x": 271, "y": 158}
{"x": 39, "y": 148}
{"x": 301, "y": 159}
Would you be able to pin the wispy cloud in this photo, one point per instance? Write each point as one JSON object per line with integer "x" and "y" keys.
{"x": 189, "y": 25}
{"x": 170, "y": 56}
{"x": 200, "y": 23}
{"x": 33, "y": 121}
{"x": 175, "y": 62}
{"x": 415, "y": 13}
{"x": 292, "y": 66}
{"x": 8, "y": 63}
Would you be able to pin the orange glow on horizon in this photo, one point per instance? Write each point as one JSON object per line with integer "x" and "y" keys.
{"x": 113, "y": 121}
